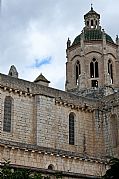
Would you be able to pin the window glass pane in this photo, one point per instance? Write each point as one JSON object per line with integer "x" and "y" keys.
{"x": 78, "y": 71}
{"x": 91, "y": 70}
{"x": 7, "y": 114}
{"x": 71, "y": 129}
{"x": 96, "y": 70}
{"x": 111, "y": 73}
{"x": 77, "y": 74}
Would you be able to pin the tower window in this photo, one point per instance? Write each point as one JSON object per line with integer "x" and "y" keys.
{"x": 78, "y": 71}
{"x": 110, "y": 72}
{"x": 94, "y": 83}
{"x": 88, "y": 23}
{"x": 94, "y": 69}
{"x": 92, "y": 23}
{"x": 71, "y": 129}
{"x": 7, "y": 114}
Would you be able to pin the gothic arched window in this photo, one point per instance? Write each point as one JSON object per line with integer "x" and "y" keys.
{"x": 94, "y": 69}
{"x": 7, "y": 114}
{"x": 78, "y": 71}
{"x": 110, "y": 72}
{"x": 71, "y": 129}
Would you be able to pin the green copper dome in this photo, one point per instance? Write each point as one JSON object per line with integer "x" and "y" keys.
{"x": 93, "y": 34}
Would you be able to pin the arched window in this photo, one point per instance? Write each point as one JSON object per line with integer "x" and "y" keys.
{"x": 92, "y": 24}
{"x": 78, "y": 71}
{"x": 51, "y": 167}
{"x": 94, "y": 69}
{"x": 110, "y": 72}
{"x": 71, "y": 128}
{"x": 88, "y": 23}
{"x": 114, "y": 130}
{"x": 7, "y": 114}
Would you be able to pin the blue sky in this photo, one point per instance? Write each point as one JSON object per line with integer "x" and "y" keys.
{"x": 33, "y": 33}
{"x": 41, "y": 62}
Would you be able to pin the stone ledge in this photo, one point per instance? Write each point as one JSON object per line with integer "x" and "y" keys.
{"x": 54, "y": 172}
{"x": 51, "y": 151}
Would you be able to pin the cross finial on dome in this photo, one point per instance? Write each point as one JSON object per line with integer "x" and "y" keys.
{"x": 91, "y": 6}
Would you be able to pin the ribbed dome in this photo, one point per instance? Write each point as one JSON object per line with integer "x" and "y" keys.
{"x": 92, "y": 34}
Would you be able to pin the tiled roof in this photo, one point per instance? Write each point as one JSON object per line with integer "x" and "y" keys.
{"x": 91, "y": 12}
{"x": 41, "y": 78}
{"x": 92, "y": 34}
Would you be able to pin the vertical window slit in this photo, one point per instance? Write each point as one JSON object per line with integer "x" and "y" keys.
{"x": 7, "y": 114}
{"x": 71, "y": 129}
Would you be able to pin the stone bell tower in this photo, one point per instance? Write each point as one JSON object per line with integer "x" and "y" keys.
{"x": 92, "y": 59}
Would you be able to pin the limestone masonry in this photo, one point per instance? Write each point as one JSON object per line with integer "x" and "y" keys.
{"x": 75, "y": 131}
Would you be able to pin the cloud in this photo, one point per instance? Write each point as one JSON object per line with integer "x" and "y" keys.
{"x": 40, "y": 62}
{"x": 33, "y": 29}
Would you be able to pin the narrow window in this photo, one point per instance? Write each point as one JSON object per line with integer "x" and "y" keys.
{"x": 88, "y": 23}
{"x": 78, "y": 71}
{"x": 110, "y": 71}
{"x": 96, "y": 23}
{"x": 71, "y": 129}
{"x": 91, "y": 23}
{"x": 94, "y": 69}
{"x": 7, "y": 114}
{"x": 95, "y": 83}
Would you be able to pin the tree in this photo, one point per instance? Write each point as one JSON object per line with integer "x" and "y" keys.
{"x": 113, "y": 171}
{"x": 7, "y": 172}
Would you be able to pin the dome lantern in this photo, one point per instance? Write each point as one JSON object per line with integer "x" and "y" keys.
{"x": 92, "y": 19}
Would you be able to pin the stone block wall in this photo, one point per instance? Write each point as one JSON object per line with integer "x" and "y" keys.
{"x": 90, "y": 50}
{"x": 32, "y": 158}
{"x": 22, "y": 117}
{"x": 53, "y": 126}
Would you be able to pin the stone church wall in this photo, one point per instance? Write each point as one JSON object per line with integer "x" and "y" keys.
{"x": 22, "y": 118}
{"x": 40, "y": 129}
{"x": 31, "y": 157}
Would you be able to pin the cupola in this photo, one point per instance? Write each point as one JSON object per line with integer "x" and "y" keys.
{"x": 92, "y": 19}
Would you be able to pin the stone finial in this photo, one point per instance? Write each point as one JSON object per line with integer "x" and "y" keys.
{"x": 91, "y": 7}
{"x": 13, "y": 72}
{"x": 68, "y": 43}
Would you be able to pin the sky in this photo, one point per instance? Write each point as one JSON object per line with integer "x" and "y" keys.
{"x": 33, "y": 34}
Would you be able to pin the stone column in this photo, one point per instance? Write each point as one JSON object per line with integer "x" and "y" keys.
{"x": 82, "y": 77}
{"x": 104, "y": 52}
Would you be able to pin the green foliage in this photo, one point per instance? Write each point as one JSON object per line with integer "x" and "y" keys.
{"x": 58, "y": 175}
{"x": 6, "y": 172}
{"x": 113, "y": 172}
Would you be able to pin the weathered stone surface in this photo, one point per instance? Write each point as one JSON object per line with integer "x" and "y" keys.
{"x": 39, "y": 134}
